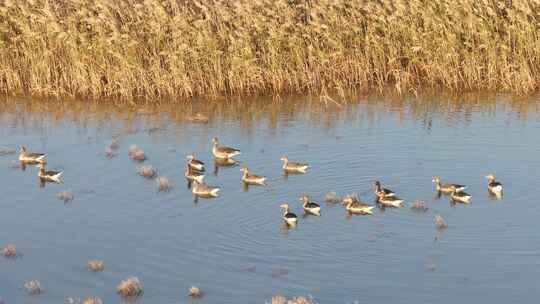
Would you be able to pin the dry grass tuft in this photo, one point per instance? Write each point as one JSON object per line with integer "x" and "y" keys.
{"x": 92, "y": 300}
{"x": 163, "y": 183}
{"x": 72, "y": 300}
{"x": 136, "y": 153}
{"x": 65, "y": 196}
{"x": 130, "y": 287}
{"x": 195, "y": 292}
{"x": 279, "y": 299}
{"x": 419, "y": 206}
{"x": 178, "y": 48}
{"x": 332, "y": 197}
{"x": 147, "y": 171}
{"x": 199, "y": 118}
{"x": 440, "y": 223}
{"x": 33, "y": 287}
{"x": 95, "y": 265}
{"x": 10, "y": 251}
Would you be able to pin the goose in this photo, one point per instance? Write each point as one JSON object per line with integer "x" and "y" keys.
{"x": 223, "y": 152}
{"x": 447, "y": 188}
{"x": 494, "y": 186}
{"x": 202, "y": 189}
{"x": 289, "y": 217}
{"x": 310, "y": 206}
{"x": 460, "y": 196}
{"x": 293, "y": 167}
{"x": 389, "y": 201}
{"x": 53, "y": 176}
{"x": 379, "y": 188}
{"x": 26, "y": 156}
{"x": 193, "y": 175}
{"x": 195, "y": 163}
{"x": 354, "y": 205}
{"x": 252, "y": 179}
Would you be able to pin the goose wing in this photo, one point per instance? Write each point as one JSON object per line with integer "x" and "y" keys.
{"x": 52, "y": 173}
{"x": 312, "y": 205}
{"x": 227, "y": 150}
{"x": 290, "y": 215}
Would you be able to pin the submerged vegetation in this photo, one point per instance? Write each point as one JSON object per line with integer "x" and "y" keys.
{"x": 178, "y": 48}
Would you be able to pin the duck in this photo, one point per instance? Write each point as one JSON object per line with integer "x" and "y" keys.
{"x": 293, "y": 167}
{"x": 53, "y": 176}
{"x": 193, "y": 175}
{"x": 389, "y": 201}
{"x": 447, "y": 188}
{"x": 354, "y": 205}
{"x": 378, "y": 188}
{"x": 28, "y": 157}
{"x": 494, "y": 186}
{"x": 202, "y": 189}
{"x": 252, "y": 179}
{"x": 460, "y": 196}
{"x": 223, "y": 152}
{"x": 195, "y": 163}
{"x": 289, "y": 217}
{"x": 310, "y": 206}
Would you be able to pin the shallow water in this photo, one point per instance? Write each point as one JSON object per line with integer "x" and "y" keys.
{"x": 235, "y": 247}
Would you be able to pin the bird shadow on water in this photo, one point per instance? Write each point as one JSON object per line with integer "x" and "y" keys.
{"x": 224, "y": 163}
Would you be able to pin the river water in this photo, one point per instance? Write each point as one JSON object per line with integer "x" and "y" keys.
{"x": 236, "y": 247}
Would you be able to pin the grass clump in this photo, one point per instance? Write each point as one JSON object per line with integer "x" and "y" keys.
{"x": 33, "y": 287}
{"x": 440, "y": 223}
{"x": 95, "y": 265}
{"x": 195, "y": 292}
{"x": 65, "y": 196}
{"x": 130, "y": 288}
{"x": 156, "y": 48}
{"x": 136, "y": 153}
{"x": 147, "y": 171}
{"x": 10, "y": 251}
{"x": 279, "y": 299}
{"x": 163, "y": 184}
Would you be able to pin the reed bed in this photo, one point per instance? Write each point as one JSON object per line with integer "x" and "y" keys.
{"x": 182, "y": 49}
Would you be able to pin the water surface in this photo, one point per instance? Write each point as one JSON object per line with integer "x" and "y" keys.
{"x": 236, "y": 248}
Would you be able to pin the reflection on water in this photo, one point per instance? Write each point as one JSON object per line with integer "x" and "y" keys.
{"x": 236, "y": 247}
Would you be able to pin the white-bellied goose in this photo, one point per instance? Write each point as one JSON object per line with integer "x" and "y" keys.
{"x": 28, "y": 157}
{"x": 195, "y": 163}
{"x": 53, "y": 176}
{"x": 289, "y": 217}
{"x": 310, "y": 206}
{"x": 494, "y": 186}
{"x": 447, "y": 188}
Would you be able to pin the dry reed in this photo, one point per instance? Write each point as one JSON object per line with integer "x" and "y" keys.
{"x": 157, "y": 48}
{"x": 130, "y": 287}
{"x": 147, "y": 171}
{"x": 195, "y": 292}
{"x": 332, "y": 198}
{"x": 10, "y": 251}
{"x": 419, "y": 206}
{"x": 33, "y": 287}
{"x": 93, "y": 300}
{"x": 440, "y": 223}
{"x": 95, "y": 265}
{"x": 279, "y": 299}
{"x": 136, "y": 153}
{"x": 65, "y": 196}
{"x": 163, "y": 184}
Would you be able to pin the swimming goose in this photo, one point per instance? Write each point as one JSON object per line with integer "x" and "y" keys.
{"x": 289, "y": 217}
{"x": 26, "y": 156}
{"x": 354, "y": 205}
{"x": 193, "y": 175}
{"x": 310, "y": 206}
{"x": 195, "y": 163}
{"x": 53, "y": 176}
{"x": 494, "y": 186}
{"x": 460, "y": 196}
{"x": 293, "y": 167}
{"x": 447, "y": 188}
{"x": 202, "y": 189}
{"x": 223, "y": 152}
{"x": 389, "y": 201}
{"x": 378, "y": 188}
{"x": 252, "y": 179}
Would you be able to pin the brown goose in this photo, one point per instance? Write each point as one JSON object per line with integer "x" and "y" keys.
{"x": 26, "y": 156}
{"x": 447, "y": 188}
{"x": 223, "y": 152}
{"x": 252, "y": 179}
{"x": 53, "y": 176}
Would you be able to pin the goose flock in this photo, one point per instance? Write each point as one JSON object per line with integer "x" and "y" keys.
{"x": 223, "y": 155}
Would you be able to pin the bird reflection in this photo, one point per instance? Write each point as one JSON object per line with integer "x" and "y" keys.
{"x": 227, "y": 162}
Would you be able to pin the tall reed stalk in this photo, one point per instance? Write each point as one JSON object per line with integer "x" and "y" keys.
{"x": 187, "y": 48}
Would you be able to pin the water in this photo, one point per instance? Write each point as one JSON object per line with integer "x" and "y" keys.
{"x": 236, "y": 248}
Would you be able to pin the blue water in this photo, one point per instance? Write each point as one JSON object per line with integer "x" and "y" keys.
{"x": 236, "y": 247}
